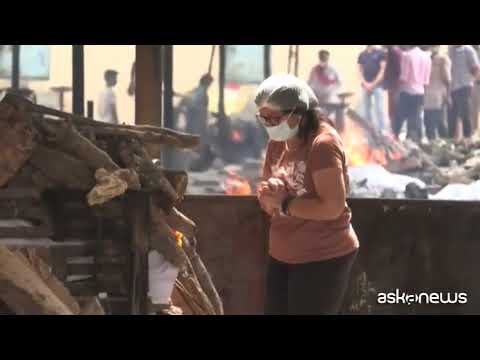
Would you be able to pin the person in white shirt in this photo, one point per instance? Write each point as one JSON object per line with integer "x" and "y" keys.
{"x": 324, "y": 79}
{"x": 107, "y": 101}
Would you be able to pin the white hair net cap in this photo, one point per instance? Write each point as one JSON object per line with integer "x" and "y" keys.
{"x": 286, "y": 92}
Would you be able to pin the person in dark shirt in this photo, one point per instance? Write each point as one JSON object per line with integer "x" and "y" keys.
{"x": 195, "y": 108}
{"x": 372, "y": 63}
{"x": 391, "y": 81}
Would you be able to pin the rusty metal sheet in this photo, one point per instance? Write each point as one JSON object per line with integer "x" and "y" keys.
{"x": 410, "y": 245}
{"x": 232, "y": 243}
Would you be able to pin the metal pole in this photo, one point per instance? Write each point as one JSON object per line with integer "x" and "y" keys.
{"x": 78, "y": 80}
{"x": 223, "y": 120}
{"x": 297, "y": 48}
{"x": 168, "y": 117}
{"x": 267, "y": 61}
{"x": 221, "y": 82}
{"x": 212, "y": 56}
{"x": 289, "y": 58}
{"x": 90, "y": 109}
{"x": 168, "y": 86}
{"x": 15, "y": 67}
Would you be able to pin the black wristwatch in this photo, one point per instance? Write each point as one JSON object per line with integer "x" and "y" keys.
{"x": 286, "y": 204}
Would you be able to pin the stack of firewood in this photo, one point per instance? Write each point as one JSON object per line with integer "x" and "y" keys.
{"x": 44, "y": 149}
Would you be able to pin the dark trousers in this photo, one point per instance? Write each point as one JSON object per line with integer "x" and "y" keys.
{"x": 460, "y": 109}
{"x": 409, "y": 107}
{"x": 316, "y": 288}
{"x": 435, "y": 123}
{"x": 338, "y": 110}
{"x": 392, "y": 105}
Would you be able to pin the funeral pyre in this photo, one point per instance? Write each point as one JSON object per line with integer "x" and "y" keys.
{"x": 44, "y": 150}
{"x": 382, "y": 167}
{"x": 379, "y": 167}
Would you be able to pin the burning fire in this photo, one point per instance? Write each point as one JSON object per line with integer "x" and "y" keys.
{"x": 237, "y": 185}
{"x": 357, "y": 148}
{"x": 236, "y": 136}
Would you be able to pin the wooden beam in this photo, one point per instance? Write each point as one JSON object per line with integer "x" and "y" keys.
{"x": 148, "y": 87}
{"x": 19, "y": 194}
{"x": 78, "y": 79}
{"x": 16, "y": 67}
{"x": 168, "y": 120}
{"x": 26, "y": 232}
{"x": 139, "y": 212}
{"x": 267, "y": 65}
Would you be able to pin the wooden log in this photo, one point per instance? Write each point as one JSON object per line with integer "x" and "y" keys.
{"x": 65, "y": 137}
{"x": 183, "y": 141}
{"x": 189, "y": 279}
{"x": 178, "y": 180}
{"x": 203, "y": 277}
{"x": 178, "y": 221}
{"x": 188, "y": 302}
{"x": 416, "y": 151}
{"x": 46, "y": 274}
{"x": 23, "y": 290}
{"x": 62, "y": 169}
{"x": 30, "y": 177}
{"x": 175, "y": 137}
{"x": 163, "y": 238}
{"x": 379, "y": 140}
{"x": 180, "y": 300}
{"x": 134, "y": 156}
{"x": 139, "y": 215}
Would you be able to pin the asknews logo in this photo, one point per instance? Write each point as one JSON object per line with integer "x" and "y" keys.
{"x": 398, "y": 297}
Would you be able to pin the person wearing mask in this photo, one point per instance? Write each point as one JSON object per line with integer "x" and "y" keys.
{"x": 312, "y": 244}
{"x": 391, "y": 81}
{"x": 324, "y": 79}
{"x": 416, "y": 66}
{"x": 437, "y": 95}
{"x": 107, "y": 101}
{"x": 372, "y": 64}
{"x": 465, "y": 71}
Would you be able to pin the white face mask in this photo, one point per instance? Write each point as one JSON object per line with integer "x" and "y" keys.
{"x": 282, "y": 132}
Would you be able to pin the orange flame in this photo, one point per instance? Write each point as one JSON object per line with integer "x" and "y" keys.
{"x": 357, "y": 148}
{"x": 237, "y": 185}
{"x": 236, "y": 136}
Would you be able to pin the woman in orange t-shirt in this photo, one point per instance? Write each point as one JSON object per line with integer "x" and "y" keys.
{"x": 312, "y": 245}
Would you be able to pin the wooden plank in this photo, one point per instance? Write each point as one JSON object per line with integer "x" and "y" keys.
{"x": 148, "y": 90}
{"x": 26, "y": 232}
{"x": 88, "y": 267}
{"x": 82, "y": 288}
{"x": 19, "y": 194}
{"x": 138, "y": 206}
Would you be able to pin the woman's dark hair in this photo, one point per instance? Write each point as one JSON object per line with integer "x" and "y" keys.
{"x": 311, "y": 122}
